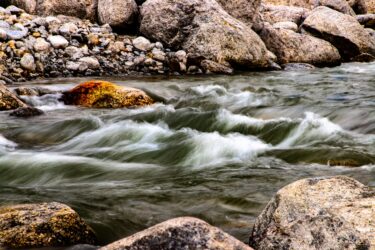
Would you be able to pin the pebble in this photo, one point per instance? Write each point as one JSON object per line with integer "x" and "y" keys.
{"x": 142, "y": 44}
{"x": 28, "y": 62}
{"x": 41, "y": 45}
{"x": 91, "y": 62}
{"x": 58, "y": 42}
{"x": 34, "y": 47}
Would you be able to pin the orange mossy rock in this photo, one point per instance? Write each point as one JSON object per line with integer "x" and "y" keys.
{"x": 102, "y": 94}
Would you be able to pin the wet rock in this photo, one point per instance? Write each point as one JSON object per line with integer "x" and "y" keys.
{"x": 180, "y": 233}
{"x": 28, "y": 62}
{"x": 8, "y": 100}
{"x": 35, "y": 91}
{"x": 205, "y": 29}
{"x": 26, "y": 112}
{"x": 244, "y": 10}
{"x": 58, "y": 42}
{"x": 142, "y": 44}
{"x": 274, "y": 14}
{"x": 343, "y": 31}
{"x": 364, "y": 57}
{"x": 42, "y": 225}
{"x": 318, "y": 213}
{"x": 214, "y": 67}
{"x": 298, "y": 66}
{"x": 117, "y": 13}
{"x": 292, "y": 47}
{"x": 100, "y": 94}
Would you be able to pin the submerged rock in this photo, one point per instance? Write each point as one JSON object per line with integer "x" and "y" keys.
{"x": 343, "y": 31}
{"x": 26, "y": 112}
{"x": 292, "y": 47}
{"x": 42, "y": 225}
{"x": 204, "y": 29}
{"x": 318, "y": 213}
{"x": 180, "y": 233}
{"x": 8, "y": 100}
{"x": 101, "y": 94}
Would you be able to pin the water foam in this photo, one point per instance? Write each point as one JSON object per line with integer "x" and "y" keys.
{"x": 310, "y": 129}
{"x": 210, "y": 149}
{"x": 6, "y": 144}
{"x": 45, "y": 102}
{"x": 230, "y": 120}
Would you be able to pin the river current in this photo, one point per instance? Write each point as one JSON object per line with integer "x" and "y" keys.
{"x": 214, "y": 147}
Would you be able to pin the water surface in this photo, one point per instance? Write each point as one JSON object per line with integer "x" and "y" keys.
{"x": 216, "y": 148}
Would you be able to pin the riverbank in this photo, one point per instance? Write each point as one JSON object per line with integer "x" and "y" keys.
{"x": 161, "y": 42}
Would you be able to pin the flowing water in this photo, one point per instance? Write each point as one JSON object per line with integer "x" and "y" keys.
{"x": 217, "y": 147}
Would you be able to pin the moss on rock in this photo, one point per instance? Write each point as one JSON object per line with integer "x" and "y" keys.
{"x": 101, "y": 94}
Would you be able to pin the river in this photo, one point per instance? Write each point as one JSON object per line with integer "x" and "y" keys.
{"x": 214, "y": 147}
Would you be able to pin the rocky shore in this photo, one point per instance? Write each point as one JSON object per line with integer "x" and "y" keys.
{"x": 319, "y": 213}
{"x": 94, "y": 38}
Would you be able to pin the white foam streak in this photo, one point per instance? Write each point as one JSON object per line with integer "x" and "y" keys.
{"x": 5, "y": 144}
{"x": 45, "y": 102}
{"x": 311, "y": 128}
{"x": 210, "y": 149}
{"x": 231, "y": 120}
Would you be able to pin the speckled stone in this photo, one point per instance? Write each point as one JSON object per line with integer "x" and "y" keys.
{"x": 42, "y": 225}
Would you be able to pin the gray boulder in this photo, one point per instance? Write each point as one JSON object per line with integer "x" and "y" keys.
{"x": 180, "y": 233}
{"x": 319, "y": 213}
{"x": 85, "y": 9}
{"x": 203, "y": 28}
{"x": 244, "y": 10}
{"x": 117, "y": 13}
{"x": 292, "y": 47}
{"x": 275, "y": 14}
{"x": 343, "y": 31}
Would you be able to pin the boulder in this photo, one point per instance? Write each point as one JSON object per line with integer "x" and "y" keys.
{"x": 28, "y": 5}
{"x": 180, "y": 233}
{"x": 101, "y": 94}
{"x": 117, "y": 13}
{"x": 343, "y": 31}
{"x": 318, "y": 213}
{"x": 347, "y": 6}
{"x": 203, "y": 28}
{"x": 42, "y": 225}
{"x": 292, "y": 47}
{"x": 338, "y": 5}
{"x": 85, "y": 9}
{"x": 370, "y": 6}
{"x": 275, "y": 14}
{"x": 367, "y": 20}
{"x": 286, "y": 25}
{"x": 244, "y": 10}
{"x": 8, "y": 100}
